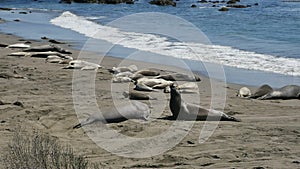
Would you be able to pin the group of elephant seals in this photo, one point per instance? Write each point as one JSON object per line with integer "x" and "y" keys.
{"x": 265, "y": 92}
{"x": 135, "y": 110}
{"x": 286, "y": 92}
{"x": 187, "y": 111}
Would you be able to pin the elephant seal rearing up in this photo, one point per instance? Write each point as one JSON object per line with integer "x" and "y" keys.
{"x": 186, "y": 111}
{"x": 286, "y": 92}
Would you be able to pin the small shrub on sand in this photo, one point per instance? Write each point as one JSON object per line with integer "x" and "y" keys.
{"x": 42, "y": 152}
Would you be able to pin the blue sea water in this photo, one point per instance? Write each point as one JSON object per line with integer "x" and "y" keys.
{"x": 269, "y": 32}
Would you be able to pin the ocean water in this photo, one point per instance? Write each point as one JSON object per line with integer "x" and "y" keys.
{"x": 256, "y": 45}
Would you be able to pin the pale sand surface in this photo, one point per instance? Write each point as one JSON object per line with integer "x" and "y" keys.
{"x": 268, "y": 135}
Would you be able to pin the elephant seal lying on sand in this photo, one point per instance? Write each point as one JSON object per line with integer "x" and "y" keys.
{"x": 135, "y": 110}
{"x": 261, "y": 91}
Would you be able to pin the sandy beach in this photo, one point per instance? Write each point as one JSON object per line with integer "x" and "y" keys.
{"x": 267, "y": 136}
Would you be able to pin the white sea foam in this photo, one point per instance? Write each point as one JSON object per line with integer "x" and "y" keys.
{"x": 224, "y": 55}
{"x": 95, "y": 17}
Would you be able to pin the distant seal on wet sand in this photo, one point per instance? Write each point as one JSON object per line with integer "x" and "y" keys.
{"x": 47, "y": 48}
{"x": 261, "y": 91}
{"x": 286, "y": 92}
{"x": 186, "y": 111}
{"x": 125, "y": 111}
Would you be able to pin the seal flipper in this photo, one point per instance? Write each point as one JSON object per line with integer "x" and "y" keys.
{"x": 230, "y": 118}
{"x": 77, "y": 126}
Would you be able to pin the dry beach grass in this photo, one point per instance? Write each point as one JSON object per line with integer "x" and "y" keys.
{"x": 267, "y": 137}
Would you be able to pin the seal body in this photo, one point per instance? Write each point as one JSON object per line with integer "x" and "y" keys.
{"x": 130, "y": 68}
{"x": 83, "y": 65}
{"x": 186, "y": 111}
{"x": 121, "y": 79}
{"x": 123, "y": 112}
{"x": 148, "y": 72}
{"x": 47, "y": 48}
{"x": 135, "y": 95}
{"x": 179, "y": 77}
{"x": 261, "y": 91}
{"x": 286, "y": 92}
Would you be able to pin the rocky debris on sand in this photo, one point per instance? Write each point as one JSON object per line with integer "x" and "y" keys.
{"x": 163, "y": 2}
{"x": 5, "y": 9}
{"x": 223, "y": 9}
{"x": 238, "y": 6}
{"x": 65, "y": 1}
{"x": 18, "y": 103}
{"x": 233, "y": 1}
{"x": 98, "y": 1}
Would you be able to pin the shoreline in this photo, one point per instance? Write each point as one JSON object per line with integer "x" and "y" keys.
{"x": 266, "y": 137}
{"x": 233, "y": 75}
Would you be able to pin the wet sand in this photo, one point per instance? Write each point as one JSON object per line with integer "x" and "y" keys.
{"x": 267, "y": 137}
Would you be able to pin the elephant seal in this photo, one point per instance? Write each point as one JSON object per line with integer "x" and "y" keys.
{"x": 153, "y": 82}
{"x": 19, "y": 54}
{"x": 163, "y": 85}
{"x": 261, "y": 91}
{"x": 244, "y": 92}
{"x": 18, "y": 45}
{"x": 130, "y": 68}
{"x": 83, "y": 65}
{"x": 145, "y": 84}
{"x": 148, "y": 72}
{"x": 121, "y": 79}
{"x": 135, "y": 110}
{"x": 124, "y": 74}
{"x": 54, "y": 60}
{"x": 135, "y": 95}
{"x": 142, "y": 87}
{"x": 47, "y": 48}
{"x": 189, "y": 87}
{"x": 137, "y": 76}
{"x": 61, "y": 56}
{"x": 186, "y": 111}
{"x": 178, "y": 77}
{"x": 286, "y": 92}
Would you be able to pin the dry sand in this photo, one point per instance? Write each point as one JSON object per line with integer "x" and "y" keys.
{"x": 267, "y": 137}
